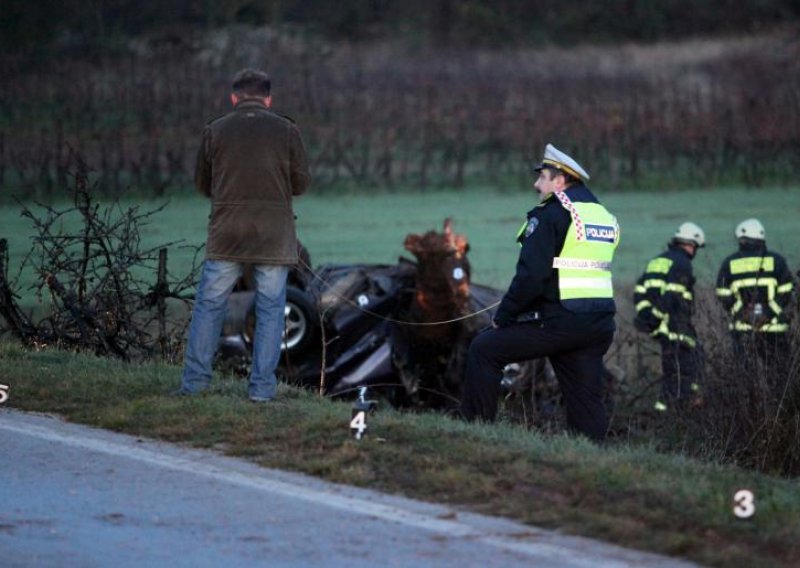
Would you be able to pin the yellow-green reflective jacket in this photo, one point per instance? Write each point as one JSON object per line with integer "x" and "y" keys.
{"x": 664, "y": 297}
{"x": 584, "y": 263}
{"x": 552, "y": 251}
{"x": 755, "y": 286}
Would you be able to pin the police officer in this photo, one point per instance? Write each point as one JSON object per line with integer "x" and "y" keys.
{"x": 755, "y": 286}
{"x": 664, "y": 300}
{"x": 560, "y": 303}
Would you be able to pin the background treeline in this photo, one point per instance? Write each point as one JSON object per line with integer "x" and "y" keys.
{"x": 95, "y": 24}
{"x": 695, "y": 113}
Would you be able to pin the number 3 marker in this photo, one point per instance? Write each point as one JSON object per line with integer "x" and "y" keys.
{"x": 745, "y": 506}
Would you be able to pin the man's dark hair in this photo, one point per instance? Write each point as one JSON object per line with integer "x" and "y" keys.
{"x": 568, "y": 179}
{"x": 251, "y": 83}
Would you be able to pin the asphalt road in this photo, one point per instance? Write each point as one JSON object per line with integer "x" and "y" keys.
{"x": 77, "y": 496}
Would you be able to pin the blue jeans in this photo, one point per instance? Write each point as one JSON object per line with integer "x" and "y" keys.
{"x": 216, "y": 283}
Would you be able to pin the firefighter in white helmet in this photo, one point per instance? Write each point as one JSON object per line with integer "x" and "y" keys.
{"x": 664, "y": 299}
{"x": 755, "y": 286}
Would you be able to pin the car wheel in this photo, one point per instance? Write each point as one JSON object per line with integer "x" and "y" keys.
{"x": 301, "y": 321}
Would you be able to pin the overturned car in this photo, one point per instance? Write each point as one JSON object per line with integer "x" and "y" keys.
{"x": 401, "y": 329}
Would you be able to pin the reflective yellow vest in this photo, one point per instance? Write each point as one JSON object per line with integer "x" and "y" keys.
{"x": 584, "y": 265}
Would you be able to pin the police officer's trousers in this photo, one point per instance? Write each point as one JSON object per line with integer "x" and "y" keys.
{"x": 575, "y": 345}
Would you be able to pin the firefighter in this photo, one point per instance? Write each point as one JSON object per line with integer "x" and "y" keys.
{"x": 755, "y": 286}
{"x": 560, "y": 303}
{"x": 664, "y": 300}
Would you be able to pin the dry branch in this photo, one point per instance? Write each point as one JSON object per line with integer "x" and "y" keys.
{"x": 95, "y": 275}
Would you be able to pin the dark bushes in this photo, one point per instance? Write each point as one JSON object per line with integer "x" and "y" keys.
{"x": 699, "y": 115}
{"x": 107, "y": 295}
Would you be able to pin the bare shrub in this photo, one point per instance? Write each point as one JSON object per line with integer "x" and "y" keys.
{"x": 751, "y": 407}
{"x": 107, "y": 294}
{"x": 748, "y": 411}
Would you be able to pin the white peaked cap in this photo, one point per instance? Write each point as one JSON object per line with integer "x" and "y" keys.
{"x": 555, "y": 158}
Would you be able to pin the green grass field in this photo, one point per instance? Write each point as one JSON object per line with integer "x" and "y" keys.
{"x": 352, "y": 228}
{"x": 627, "y": 493}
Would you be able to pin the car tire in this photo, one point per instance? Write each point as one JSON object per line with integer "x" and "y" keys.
{"x": 301, "y": 321}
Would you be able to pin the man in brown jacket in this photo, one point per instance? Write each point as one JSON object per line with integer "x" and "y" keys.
{"x": 250, "y": 163}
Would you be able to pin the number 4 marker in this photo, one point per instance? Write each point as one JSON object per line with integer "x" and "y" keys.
{"x": 358, "y": 424}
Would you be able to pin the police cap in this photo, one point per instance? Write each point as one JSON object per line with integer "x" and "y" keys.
{"x": 556, "y": 159}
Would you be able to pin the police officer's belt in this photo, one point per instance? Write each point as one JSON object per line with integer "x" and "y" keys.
{"x": 540, "y": 313}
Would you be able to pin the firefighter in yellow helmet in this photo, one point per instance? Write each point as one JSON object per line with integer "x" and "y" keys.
{"x": 755, "y": 287}
{"x": 664, "y": 300}
{"x": 560, "y": 303}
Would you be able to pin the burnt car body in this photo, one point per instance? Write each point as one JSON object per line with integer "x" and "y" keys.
{"x": 351, "y": 325}
{"x": 402, "y": 330}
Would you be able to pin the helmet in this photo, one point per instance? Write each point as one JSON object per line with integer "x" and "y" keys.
{"x": 751, "y": 229}
{"x": 690, "y": 233}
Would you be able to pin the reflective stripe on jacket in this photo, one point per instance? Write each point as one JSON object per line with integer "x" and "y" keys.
{"x": 756, "y": 287}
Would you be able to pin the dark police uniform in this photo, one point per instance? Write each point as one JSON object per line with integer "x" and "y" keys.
{"x": 535, "y": 319}
{"x": 664, "y": 298}
{"x": 755, "y": 286}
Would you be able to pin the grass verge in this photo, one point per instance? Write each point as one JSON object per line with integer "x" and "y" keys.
{"x": 623, "y": 494}
{"x": 371, "y": 228}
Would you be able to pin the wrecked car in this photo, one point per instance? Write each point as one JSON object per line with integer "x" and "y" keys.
{"x": 403, "y": 330}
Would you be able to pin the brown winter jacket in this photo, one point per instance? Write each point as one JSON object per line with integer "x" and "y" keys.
{"x": 250, "y": 163}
